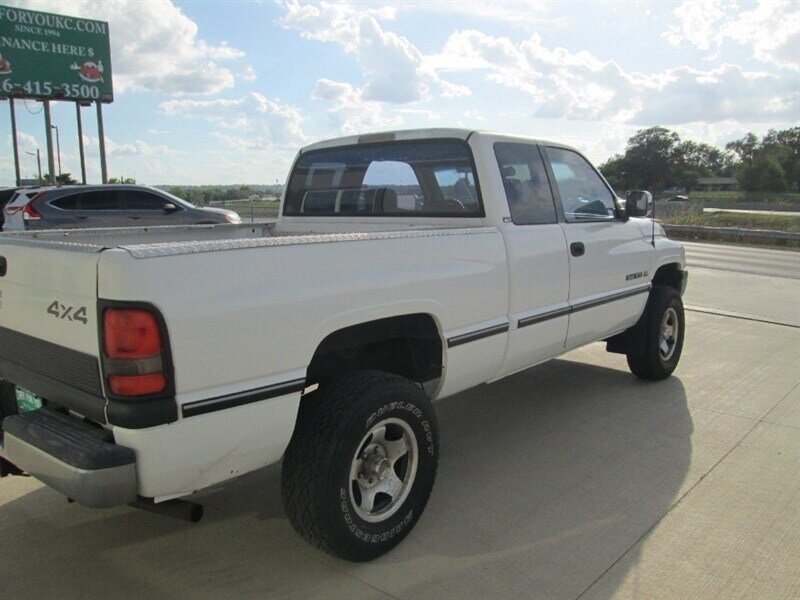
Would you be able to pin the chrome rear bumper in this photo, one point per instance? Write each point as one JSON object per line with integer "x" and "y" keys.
{"x": 73, "y": 457}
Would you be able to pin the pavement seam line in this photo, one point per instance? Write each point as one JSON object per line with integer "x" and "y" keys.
{"x": 313, "y": 556}
{"x": 743, "y": 538}
{"x": 731, "y": 315}
{"x": 745, "y": 417}
{"x": 686, "y": 493}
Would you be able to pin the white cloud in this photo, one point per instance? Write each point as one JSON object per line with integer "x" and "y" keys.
{"x": 392, "y": 66}
{"x": 517, "y": 13}
{"x": 563, "y": 84}
{"x": 25, "y": 142}
{"x": 249, "y": 73}
{"x": 137, "y": 148}
{"x": 771, "y": 28}
{"x": 686, "y": 95}
{"x": 261, "y": 118}
{"x": 351, "y": 112}
{"x": 154, "y": 45}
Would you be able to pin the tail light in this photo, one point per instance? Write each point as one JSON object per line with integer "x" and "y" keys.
{"x": 134, "y": 352}
{"x": 29, "y": 213}
{"x": 27, "y": 209}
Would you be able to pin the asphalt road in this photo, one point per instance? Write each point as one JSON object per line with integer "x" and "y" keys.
{"x": 570, "y": 480}
{"x": 744, "y": 259}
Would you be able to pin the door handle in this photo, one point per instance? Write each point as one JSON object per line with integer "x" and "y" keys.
{"x": 577, "y": 249}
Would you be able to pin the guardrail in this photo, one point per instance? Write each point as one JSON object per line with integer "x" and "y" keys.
{"x": 733, "y": 233}
{"x": 768, "y": 206}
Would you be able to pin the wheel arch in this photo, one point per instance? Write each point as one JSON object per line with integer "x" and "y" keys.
{"x": 670, "y": 274}
{"x": 410, "y": 345}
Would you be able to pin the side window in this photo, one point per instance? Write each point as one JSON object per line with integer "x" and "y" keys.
{"x": 139, "y": 200}
{"x": 525, "y": 182}
{"x": 67, "y": 202}
{"x": 583, "y": 193}
{"x": 100, "y": 200}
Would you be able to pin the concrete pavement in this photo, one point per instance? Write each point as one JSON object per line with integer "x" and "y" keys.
{"x": 570, "y": 480}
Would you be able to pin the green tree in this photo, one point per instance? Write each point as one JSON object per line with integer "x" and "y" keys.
{"x": 63, "y": 179}
{"x": 762, "y": 174}
{"x": 771, "y": 164}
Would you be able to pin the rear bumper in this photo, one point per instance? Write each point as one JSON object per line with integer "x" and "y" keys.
{"x": 73, "y": 457}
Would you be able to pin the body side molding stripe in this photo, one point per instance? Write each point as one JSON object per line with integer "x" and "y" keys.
{"x": 201, "y": 407}
{"x": 474, "y": 336}
{"x": 553, "y": 314}
{"x": 611, "y": 298}
{"x": 533, "y": 320}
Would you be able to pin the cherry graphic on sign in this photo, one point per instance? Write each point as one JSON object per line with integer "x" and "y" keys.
{"x": 90, "y": 71}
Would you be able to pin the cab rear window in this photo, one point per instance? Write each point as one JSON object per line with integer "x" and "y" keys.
{"x": 428, "y": 178}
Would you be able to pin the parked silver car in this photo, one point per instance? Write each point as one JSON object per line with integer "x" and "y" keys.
{"x": 113, "y": 205}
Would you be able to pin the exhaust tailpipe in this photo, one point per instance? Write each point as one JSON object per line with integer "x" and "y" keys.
{"x": 177, "y": 509}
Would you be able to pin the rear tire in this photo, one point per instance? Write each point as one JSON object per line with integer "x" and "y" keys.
{"x": 361, "y": 464}
{"x": 658, "y": 354}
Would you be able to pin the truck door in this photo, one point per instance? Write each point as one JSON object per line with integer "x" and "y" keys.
{"x": 537, "y": 257}
{"x": 609, "y": 257}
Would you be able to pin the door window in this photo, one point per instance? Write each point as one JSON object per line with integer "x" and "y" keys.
{"x": 525, "y": 183}
{"x": 100, "y": 200}
{"x": 67, "y": 203}
{"x": 584, "y": 195}
{"x": 139, "y": 200}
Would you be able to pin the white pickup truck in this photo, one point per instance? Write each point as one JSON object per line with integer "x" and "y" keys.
{"x": 141, "y": 365}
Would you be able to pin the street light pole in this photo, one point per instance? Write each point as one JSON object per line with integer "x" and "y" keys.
{"x": 58, "y": 146}
{"x": 38, "y": 162}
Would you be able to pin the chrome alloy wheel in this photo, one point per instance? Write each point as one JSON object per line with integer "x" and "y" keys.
{"x": 668, "y": 334}
{"x": 383, "y": 469}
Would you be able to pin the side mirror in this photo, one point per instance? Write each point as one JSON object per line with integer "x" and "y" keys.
{"x": 638, "y": 203}
{"x": 169, "y": 207}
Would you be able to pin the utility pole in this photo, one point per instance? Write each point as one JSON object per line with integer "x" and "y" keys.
{"x": 38, "y": 156}
{"x": 51, "y": 163}
{"x": 58, "y": 146}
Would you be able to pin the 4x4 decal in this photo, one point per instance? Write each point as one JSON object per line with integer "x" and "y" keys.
{"x": 70, "y": 313}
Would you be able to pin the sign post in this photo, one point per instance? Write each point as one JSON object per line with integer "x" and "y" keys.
{"x": 14, "y": 137}
{"x": 80, "y": 141}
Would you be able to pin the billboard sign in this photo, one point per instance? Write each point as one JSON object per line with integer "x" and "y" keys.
{"x": 44, "y": 55}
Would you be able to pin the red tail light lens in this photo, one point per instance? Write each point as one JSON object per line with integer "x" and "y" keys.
{"x": 133, "y": 348}
{"x": 137, "y": 385}
{"x": 29, "y": 213}
{"x": 130, "y": 333}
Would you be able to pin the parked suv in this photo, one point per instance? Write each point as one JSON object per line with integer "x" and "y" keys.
{"x": 72, "y": 206}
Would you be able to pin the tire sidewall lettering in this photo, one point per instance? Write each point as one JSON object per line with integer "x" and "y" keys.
{"x": 423, "y": 429}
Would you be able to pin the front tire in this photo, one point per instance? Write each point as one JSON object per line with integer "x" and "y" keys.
{"x": 361, "y": 464}
{"x": 657, "y": 355}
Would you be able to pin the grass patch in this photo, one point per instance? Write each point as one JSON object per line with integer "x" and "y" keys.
{"x": 773, "y": 222}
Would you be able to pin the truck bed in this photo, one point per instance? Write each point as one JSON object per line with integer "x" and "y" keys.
{"x": 149, "y": 242}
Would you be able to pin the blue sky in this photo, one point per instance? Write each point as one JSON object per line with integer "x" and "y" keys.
{"x": 226, "y": 92}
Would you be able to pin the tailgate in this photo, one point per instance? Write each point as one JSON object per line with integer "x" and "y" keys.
{"x": 48, "y": 324}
